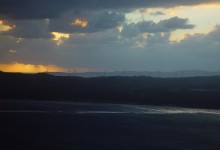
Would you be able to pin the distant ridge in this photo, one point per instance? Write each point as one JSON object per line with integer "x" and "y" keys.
{"x": 199, "y": 92}
{"x": 177, "y": 74}
{"x": 174, "y": 74}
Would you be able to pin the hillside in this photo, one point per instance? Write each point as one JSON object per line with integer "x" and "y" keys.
{"x": 200, "y": 92}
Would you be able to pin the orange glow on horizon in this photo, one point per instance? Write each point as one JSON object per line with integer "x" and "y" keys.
{"x": 31, "y": 68}
{"x": 80, "y": 22}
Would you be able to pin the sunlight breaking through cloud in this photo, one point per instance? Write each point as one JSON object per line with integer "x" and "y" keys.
{"x": 59, "y": 38}
{"x": 12, "y": 51}
{"x": 4, "y": 27}
{"x": 79, "y": 22}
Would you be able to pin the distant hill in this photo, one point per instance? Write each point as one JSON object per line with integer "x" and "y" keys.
{"x": 175, "y": 74}
{"x": 201, "y": 91}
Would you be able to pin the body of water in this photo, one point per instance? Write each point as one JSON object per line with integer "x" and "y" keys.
{"x": 48, "y": 125}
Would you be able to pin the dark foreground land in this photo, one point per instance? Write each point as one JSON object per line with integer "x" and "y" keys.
{"x": 197, "y": 92}
{"x": 35, "y": 125}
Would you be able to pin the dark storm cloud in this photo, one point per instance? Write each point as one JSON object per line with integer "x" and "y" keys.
{"x": 166, "y": 25}
{"x": 29, "y": 29}
{"x": 42, "y": 28}
{"x": 37, "y": 9}
{"x": 108, "y": 20}
{"x": 175, "y": 23}
{"x": 97, "y": 21}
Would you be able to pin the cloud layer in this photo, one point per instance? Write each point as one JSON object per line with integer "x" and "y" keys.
{"x": 97, "y": 34}
{"x": 167, "y": 25}
{"x": 105, "y": 50}
{"x": 41, "y": 9}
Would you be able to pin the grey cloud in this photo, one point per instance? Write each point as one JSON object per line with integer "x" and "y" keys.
{"x": 215, "y": 34}
{"x": 29, "y": 29}
{"x": 103, "y": 50}
{"x": 97, "y": 21}
{"x": 157, "y": 38}
{"x": 6, "y": 44}
{"x": 167, "y": 25}
{"x": 99, "y": 38}
{"x": 41, "y": 9}
{"x": 149, "y": 26}
{"x": 208, "y": 43}
{"x": 175, "y": 23}
{"x": 29, "y": 51}
{"x": 195, "y": 52}
{"x": 107, "y": 20}
{"x": 157, "y": 13}
{"x": 130, "y": 30}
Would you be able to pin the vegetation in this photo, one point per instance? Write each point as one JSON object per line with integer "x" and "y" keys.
{"x": 200, "y": 92}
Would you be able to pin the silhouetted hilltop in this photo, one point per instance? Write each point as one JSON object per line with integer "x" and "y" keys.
{"x": 187, "y": 92}
{"x": 174, "y": 74}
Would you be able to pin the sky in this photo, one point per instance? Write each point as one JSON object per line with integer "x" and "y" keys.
{"x": 107, "y": 35}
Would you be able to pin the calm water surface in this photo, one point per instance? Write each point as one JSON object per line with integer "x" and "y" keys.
{"x": 84, "y": 126}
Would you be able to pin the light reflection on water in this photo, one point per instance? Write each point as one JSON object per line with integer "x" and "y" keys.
{"x": 134, "y": 109}
{"x": 96, "y": 108}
